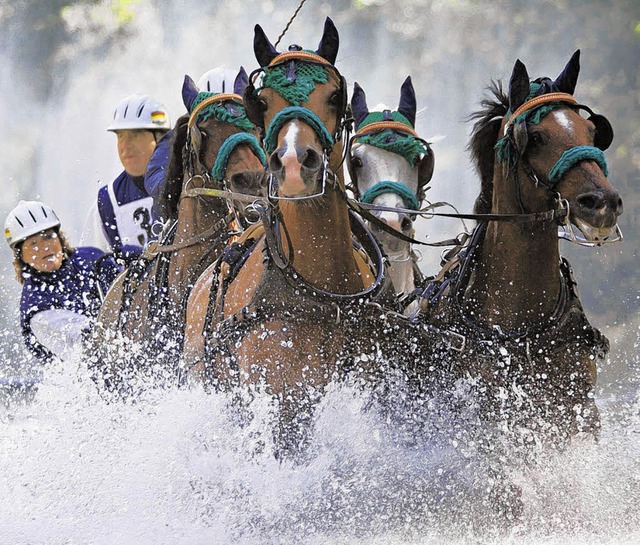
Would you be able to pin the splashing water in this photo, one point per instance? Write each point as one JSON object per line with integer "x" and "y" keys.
{"x": 189, "y": 467}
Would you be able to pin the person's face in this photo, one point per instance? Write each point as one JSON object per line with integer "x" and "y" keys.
{"x": 43, "y": 251}
{"x": 135, "y": 147}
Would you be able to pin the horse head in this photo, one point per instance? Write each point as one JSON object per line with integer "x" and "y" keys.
{"x": 300, "y": 107}
{"x": 389, "y": 165}
{"x": 550, "y": 151}
{"x": 215, "y": 147}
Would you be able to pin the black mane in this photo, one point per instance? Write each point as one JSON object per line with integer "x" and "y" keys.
{"x": 168, "y": 201}
{"x": 483, "y": 139}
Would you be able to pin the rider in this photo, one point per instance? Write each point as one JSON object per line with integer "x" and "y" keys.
{"x": 62, "y": 287}
{"x": 125, "y": 205}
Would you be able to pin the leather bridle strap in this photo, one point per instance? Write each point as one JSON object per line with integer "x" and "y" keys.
{"x": 154, "y": 248}
{"x": 378, "y": 126}
{"x": 539, "y": 101}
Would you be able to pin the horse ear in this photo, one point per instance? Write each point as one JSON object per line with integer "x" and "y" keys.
{"x": 328, "y": 46}
{"x": 407, "y": 106}
{"x": 189, "y": 92}
{"x": 264, "y": 51}
{"x": 359, "y": 104}
{"x": 241, "y": 82}
{"x": 566, "y": 81}
{"x": 518, "y": 86}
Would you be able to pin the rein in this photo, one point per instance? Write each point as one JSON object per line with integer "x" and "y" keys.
{"x": 154, "y": 248}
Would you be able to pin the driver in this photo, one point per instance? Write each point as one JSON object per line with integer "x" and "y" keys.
{"x": 62, "y": 287}
{"x": 124, "y": 205}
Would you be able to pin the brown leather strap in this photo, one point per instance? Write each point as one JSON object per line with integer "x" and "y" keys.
{"x": 538, "y": 101}
{"x": 212, "y": 100}
{"x": 383, "y": 125}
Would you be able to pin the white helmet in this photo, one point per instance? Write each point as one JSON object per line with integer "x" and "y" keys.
{"x": 140, "y": 112}
{"x": 218, "y": 80}
{"x": 28, "y": 218}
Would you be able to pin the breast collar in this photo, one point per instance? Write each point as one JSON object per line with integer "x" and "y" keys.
{"x": 453, "y": 287}
{"x": 296, "y": 301}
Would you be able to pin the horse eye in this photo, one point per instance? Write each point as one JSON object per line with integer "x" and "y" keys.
{"x": 262, "y": 104}
{"x": 335, "y": 98}
{"x": 535, "y": 140}
{"x": 356, "y": 162}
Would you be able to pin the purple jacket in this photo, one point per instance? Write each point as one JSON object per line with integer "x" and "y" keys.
{"x": 75, "y": 286}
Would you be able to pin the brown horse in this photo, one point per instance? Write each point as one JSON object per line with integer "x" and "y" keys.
{"x": 287, "y": 310}
{"x": 507, "y": 300}
{"x": 215, "y": 149}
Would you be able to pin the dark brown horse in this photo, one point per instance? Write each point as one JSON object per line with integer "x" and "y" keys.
{"x": 507, "y": 300}
{"x": 289, "y": 306}
{"x": 215, "y": 149}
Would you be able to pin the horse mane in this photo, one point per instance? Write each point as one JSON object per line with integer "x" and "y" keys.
{"x": 168, "y": 201}
{"x": 484, "y": 137}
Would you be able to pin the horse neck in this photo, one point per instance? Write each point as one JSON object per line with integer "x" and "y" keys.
{"x": 517, "y": 277}
{"x": 195, "y": 217}
{"x": 321, "y": 242}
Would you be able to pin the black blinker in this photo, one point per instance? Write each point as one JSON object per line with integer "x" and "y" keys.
{"x": 604, "y": 131}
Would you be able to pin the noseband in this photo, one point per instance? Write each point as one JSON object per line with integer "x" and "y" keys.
{"x": 327, "y": 142}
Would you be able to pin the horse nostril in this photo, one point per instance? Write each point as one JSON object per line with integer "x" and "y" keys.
{"x": 275, "y": 164}
{"x": 239, "y": 182}
{"x": 406, "y": 224}
{"x": 311, "y": 159}
{"x": 590, "y": 201}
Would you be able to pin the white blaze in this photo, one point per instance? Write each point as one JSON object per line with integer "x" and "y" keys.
{"x": 563, "y": 119}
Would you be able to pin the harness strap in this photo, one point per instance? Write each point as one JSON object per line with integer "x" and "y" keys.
{"x": 301, "y": 55}
{"x": 377, "y": 126}
{"x": 155, "y": 248}
{"x": 538, "y": 101}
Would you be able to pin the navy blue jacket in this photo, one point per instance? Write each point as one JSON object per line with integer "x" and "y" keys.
{"x": 155, "y": 176}
{"x": 127, "y": 189}
{"x": 74, "y": 287}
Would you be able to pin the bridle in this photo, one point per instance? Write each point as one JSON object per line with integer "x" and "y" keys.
{"x": 270, "y": 213}
{"x": 515, "y": 139}
{"x": 198, "y": 172}
{"x": 254, "y": 109}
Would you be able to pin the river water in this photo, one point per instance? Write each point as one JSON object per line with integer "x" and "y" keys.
{"x": 184, "y": 467}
